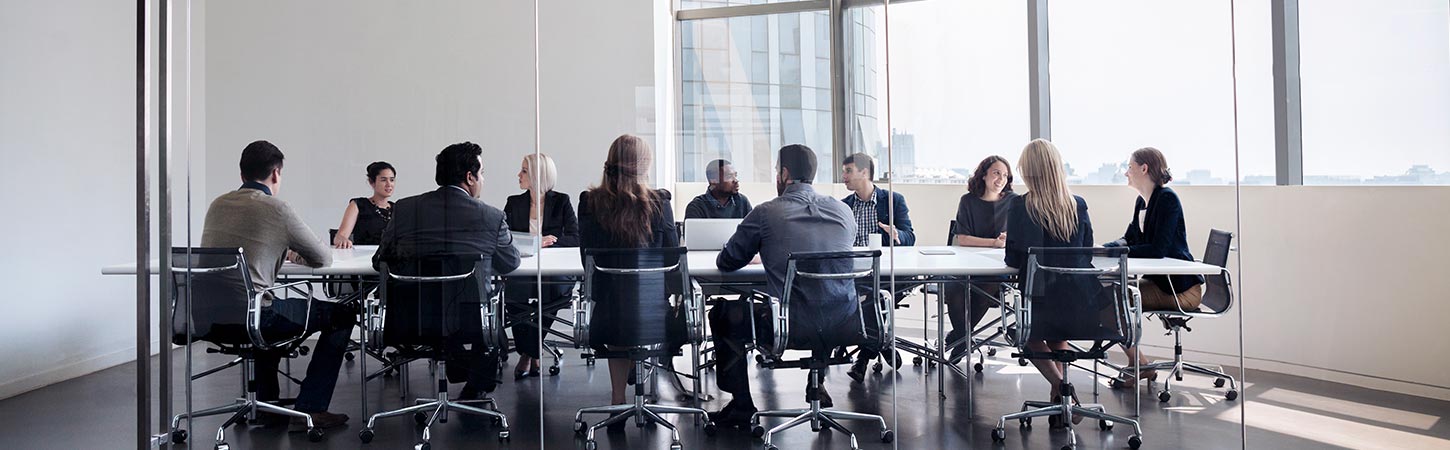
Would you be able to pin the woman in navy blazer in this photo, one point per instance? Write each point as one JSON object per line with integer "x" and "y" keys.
{"x": 1157, "y": 231}
{"x": 554, "y": 223}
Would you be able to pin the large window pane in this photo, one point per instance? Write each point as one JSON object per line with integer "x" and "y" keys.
{"x": 1376, "y": 91}
{"x": 959, "y": 93}
{"x": 1132, "y": 74}
{"x": 751, "y": 85}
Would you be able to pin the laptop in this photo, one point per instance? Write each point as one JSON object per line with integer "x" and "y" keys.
{"x": 525, "y": 243}
{"x": 709, "y": 234}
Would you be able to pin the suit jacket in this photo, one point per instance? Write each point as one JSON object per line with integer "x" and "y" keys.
{"x": 1163, "y": 236}
{"x": 557, "y": 218}
{"x": 619, "y": 303}
{"x": 883, "y": 209}
{"x": 447, "y": 222}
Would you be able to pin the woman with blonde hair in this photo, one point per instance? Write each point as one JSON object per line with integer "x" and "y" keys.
{"x": 549, "y": 216}
{"x": 624, "y": 212}
{"x": 1048, "y": 215}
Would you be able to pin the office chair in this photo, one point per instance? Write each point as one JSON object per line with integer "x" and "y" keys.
{"x": 213, "y": 301}
{"x": 428, "y": 307}
{"x": 1217, "y": 301}
{"x": 872, "y": 327}
{"x": 635, "y": 286}
{"x": 1065, "y": 298}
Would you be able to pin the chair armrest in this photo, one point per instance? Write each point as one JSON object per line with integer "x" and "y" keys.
{"x": 779, "y": 318}
{"x": 886, "y": 304}
{"x": 694, "y": 314}
{"x": 254, "y": 314}
{"x": 1012, "y": 296}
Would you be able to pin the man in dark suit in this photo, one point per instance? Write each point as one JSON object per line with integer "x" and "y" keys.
{"x": 452, "y": 221}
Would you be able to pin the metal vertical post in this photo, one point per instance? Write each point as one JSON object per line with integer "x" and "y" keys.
{"x": 143, "y": 243}
{"x": 1288, "y": 112}
{"x": 1039, "y": 84}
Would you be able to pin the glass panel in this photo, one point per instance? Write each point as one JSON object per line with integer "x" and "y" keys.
{"x": 1375, "y": 78}
{"x": 760, "y": 87}
{"x": 1114, "y": 91}
{"x": 697, "y": 4}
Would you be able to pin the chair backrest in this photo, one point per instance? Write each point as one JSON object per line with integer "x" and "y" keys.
{"x": 634, "y": 285}
{"x": 1218, "y": 293}
{"x": 952, "y": 233}
{"x": 1067, "y": 297}
{"x": 428, "y": 301}
{"x": 820, "y": 305}
{"x": 215, "y": 284}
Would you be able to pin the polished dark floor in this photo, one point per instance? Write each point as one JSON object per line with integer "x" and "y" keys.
{"x": 97, "y": 411}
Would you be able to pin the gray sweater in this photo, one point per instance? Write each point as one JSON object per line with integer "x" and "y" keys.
{"x": 265, "y": 228}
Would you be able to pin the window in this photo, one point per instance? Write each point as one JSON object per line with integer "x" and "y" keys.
{"x": 1375, "y": 87}
{"x": 1132, "y": 74}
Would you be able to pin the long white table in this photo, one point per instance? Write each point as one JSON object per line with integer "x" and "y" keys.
{"x": 903, "y": 261}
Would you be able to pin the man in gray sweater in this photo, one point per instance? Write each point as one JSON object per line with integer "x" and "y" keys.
{"x": 269, "y": 231}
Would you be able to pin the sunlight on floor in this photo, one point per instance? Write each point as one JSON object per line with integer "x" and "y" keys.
{"x": 1329, "y": 430}
{"x": 1333, "y": 405}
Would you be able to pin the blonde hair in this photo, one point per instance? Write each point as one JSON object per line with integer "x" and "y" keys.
{"x": 1049, "y": 202}
{"x": 542, "y": 172}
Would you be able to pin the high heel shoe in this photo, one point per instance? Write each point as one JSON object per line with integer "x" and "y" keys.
{"x": 1126, "y": 380}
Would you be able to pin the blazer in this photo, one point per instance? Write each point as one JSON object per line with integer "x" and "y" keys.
{"x": 619, "y": 303}
{"x": 1163, "y": 235}
{"x": 447, "y": 222}
{"x": 903, "y": 216}
{"x": 593, "y": 235}
{"x": 557, "y": 217}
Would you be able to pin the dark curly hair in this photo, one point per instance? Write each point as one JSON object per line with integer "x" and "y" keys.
{"x": 977, "y": 184}
{"x": 377, "y": 168}
{"x": 457, "y": 161}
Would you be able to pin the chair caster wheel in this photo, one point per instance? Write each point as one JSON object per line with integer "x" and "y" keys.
{"x": 676, "y": 446}
{"x": 1105, "y": 425}
{"x": 1022, "y": 361}
{"x": 222, "y": 447}
{"x": 553, "y": 371}
{"x": 580, "y": 426}
{"x": 365, "y": 435}
{"x": 1165, "y": 396}
{"x": 888, "y": 436}
{"x": 999, "y": 435}
{"x": 1135, "y": 442}
{"x": 916, "y": 361}
{"x": 503, "y": 435}
{"x": 1231, "y": 395}
{"x": 771, "y": 447}
{"x": 423, "y": 446}
{"x": 178, "y": 436}
{"x": 590, "y": 445}
{"x": 758, "y": 431}
{"x": 589, "y": 361}
{"x": 876, "y": 367}
{"x": 760, "y": 359}
{"x": 991, "y": 352}
{"x": 349, "y": 356}
{"x": 420, "y": 418}
{"x": 1218, "y": 382}
{"x": 497, "y": 421}
{"x": 314, "y": 435}
{"x": 1026, "y": 424}
{"x": 303, "y": 350}
{"x": 977, "y": 367}
{"x": 1069, "y": 447}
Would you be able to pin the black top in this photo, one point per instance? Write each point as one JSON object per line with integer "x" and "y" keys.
{"x": 557, "y": 219}
{"x": 593, "y": 235}
{"x": 1024, "y": 233}
{"x": 704, "y": 206}
{"x": 371, "y": 220}
{"x": 1069, "y": 295}
{"x": 1163, "y": 236}
{"x": 981, "y": 218}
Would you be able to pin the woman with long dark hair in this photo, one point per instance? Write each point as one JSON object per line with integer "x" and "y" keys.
{"x": 624, "y": 212}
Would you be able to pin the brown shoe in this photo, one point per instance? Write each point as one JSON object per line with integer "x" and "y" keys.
{"x": 320, "y": 420}
{"x": 1126, "y": 380}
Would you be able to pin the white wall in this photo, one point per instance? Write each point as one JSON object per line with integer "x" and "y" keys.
{"x": 67, "y": 134}
{"x": 1339, "y": 283}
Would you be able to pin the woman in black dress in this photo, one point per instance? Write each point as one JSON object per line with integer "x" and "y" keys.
{"x": 365, "y": 217}
{"x": 548, "y": 215}
{"x": 981, "y": 222}
{"x": 623, "y": 212}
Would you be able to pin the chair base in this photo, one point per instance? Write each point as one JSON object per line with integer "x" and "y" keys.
{"x": 1178, "y": 366}
{"x": 819, "y": 418}
{"x": 243, "y": 409}
{"x": 641, "y": 411}
{"x": 428, "y": 411}
{"x": 1067, "y": 410}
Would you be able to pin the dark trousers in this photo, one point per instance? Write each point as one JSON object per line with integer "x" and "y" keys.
{"x": 730, "y": 332}
{"x": 963, "y": 316}
{"x": 517, "y": 295}
{"x": 286, "y": 318}
{"x": 471, "y": 363}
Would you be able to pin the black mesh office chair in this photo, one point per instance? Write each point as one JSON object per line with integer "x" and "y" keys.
{"x": 1217, "y": 300}
{"x": 431, "y": 308}
{"x": 1064, "y": 297}
{"x": 624, "y": 312}
{"x": 213, "y": 301}
{"x": 870, "y": 325}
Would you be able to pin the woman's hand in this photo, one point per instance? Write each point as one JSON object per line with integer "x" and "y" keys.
{"x": 341, "y": 241}
{"x": 548, "y": 241}
{"x": 1001, "y": 241}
